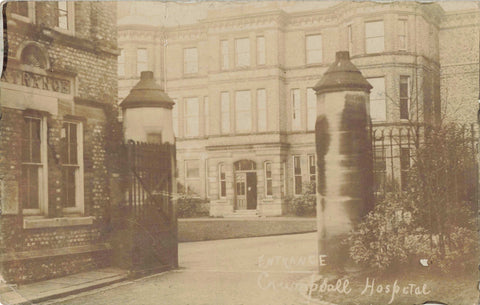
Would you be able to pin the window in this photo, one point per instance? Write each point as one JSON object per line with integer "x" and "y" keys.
{"x": 261, "y": 110}
{"x": 404, "y": 166}
{"x": 296, "y": 122}
{"x": 142, "y": 59}
{"x": 207, "y": 180}
{"x": 222, "y": 178}
{"x": 243, "y": 111}
{"x": 260, "y": 50}
{"x": 374, "y": 37}
{"x": 283, "y": 186}
{"x": 350, "y": 38}
{"x": 72, "y": 171}
{"x": 175, "y": 117}
{"x": 314, "y": 49}
{"x": 242, "y": 52}
{"x": 205, "y": 114}
{"x": 402, "y": 34}
{"x": 378, "y": 107}
{"x": 297, "y": 176}
{"x": 192, "y": 169}
{"x": 312, "y": 169}
{"x": 19, "y": 8}
{"x": 191, "y": 117}
{"x": 312, "y": 108}
{"x": 22, "y": 10}
{"x": 404, "y": 97}
{"x": 225, "y": 112}
{"x": 192, "y": 176}
{"x": 224, "y": 54}
{"x": 121, "y": 63}
{"x": 65, "y": 15}
{"x": 190, "y": 60}
{"x": 34, "y": 160}
{"x": 379, "y": 169}
{"x": 268, "y": 179}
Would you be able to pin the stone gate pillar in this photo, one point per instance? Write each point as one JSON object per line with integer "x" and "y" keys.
{"x": 147, "y": 112}
{"x": 344, "y": 157}
{"x": 145, "y": 237}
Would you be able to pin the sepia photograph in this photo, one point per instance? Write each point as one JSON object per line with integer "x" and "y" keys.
{"x": 270, "y": 152}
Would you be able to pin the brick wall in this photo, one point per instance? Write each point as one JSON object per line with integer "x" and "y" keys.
{"x": 46, "y": 268}
{"x": 89, "y": 59}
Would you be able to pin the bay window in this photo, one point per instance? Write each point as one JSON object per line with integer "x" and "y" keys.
{"x": 314, "y": 49}
{"x": 374, "y": 37}
{"x": 378, "y": 107}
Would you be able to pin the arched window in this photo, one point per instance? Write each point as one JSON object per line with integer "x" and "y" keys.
{"x": 34, "y": 54}
{"x": 222, "y": 179}
{"x": 268, "y": 178}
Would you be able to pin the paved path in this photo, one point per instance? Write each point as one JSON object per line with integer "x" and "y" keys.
{"x": 221, "y": 272}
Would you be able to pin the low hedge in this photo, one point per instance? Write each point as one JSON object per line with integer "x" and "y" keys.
{"x": 189, "y": 206}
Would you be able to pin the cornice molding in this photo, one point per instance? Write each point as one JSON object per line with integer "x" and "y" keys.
{"x": 260, "y": 19}
{"x": 332, "y": 16}
{"x": 136, "y": 34}
{"x": 138, "y": 27}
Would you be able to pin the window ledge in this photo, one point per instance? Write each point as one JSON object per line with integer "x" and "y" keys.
{"x": 315, "y": 64}
{"x": 38, "y": 223}
{"x": 69, "y": 32}
{"x": 22, "y": 18}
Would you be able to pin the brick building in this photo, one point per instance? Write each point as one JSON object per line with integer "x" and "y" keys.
{"x": 57, "y": 92}
{"x": 242, "y": 77}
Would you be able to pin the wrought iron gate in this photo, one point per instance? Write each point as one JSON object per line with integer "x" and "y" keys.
{"x": 146, "y": 225}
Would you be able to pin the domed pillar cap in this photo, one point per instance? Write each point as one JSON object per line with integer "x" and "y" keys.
{"x": 342, "y": 75}
{"x": 147, "y": 93}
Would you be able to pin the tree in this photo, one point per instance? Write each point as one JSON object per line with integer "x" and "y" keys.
{"x": 435, "y": 214}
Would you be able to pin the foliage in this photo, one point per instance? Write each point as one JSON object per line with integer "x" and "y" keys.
{"x": 434, "y": 217}
{"x": 305, "y": 204}
{"x": 386, "y": 237}
{"x": 191, "y": 206}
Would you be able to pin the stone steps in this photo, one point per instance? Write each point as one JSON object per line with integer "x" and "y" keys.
{"x": 242, "y": 214}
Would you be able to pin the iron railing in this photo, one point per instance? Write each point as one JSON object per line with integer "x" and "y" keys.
{"x": 394, "y": 153}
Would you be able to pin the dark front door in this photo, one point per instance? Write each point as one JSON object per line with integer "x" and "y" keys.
{"x": 251, "y": 191}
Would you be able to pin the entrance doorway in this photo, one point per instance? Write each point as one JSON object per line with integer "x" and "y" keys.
{"x": 245, "y": 185}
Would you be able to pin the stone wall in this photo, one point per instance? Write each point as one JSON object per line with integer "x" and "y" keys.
{"x": 60, "y": 242}
{"x": 459, "y": 56}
